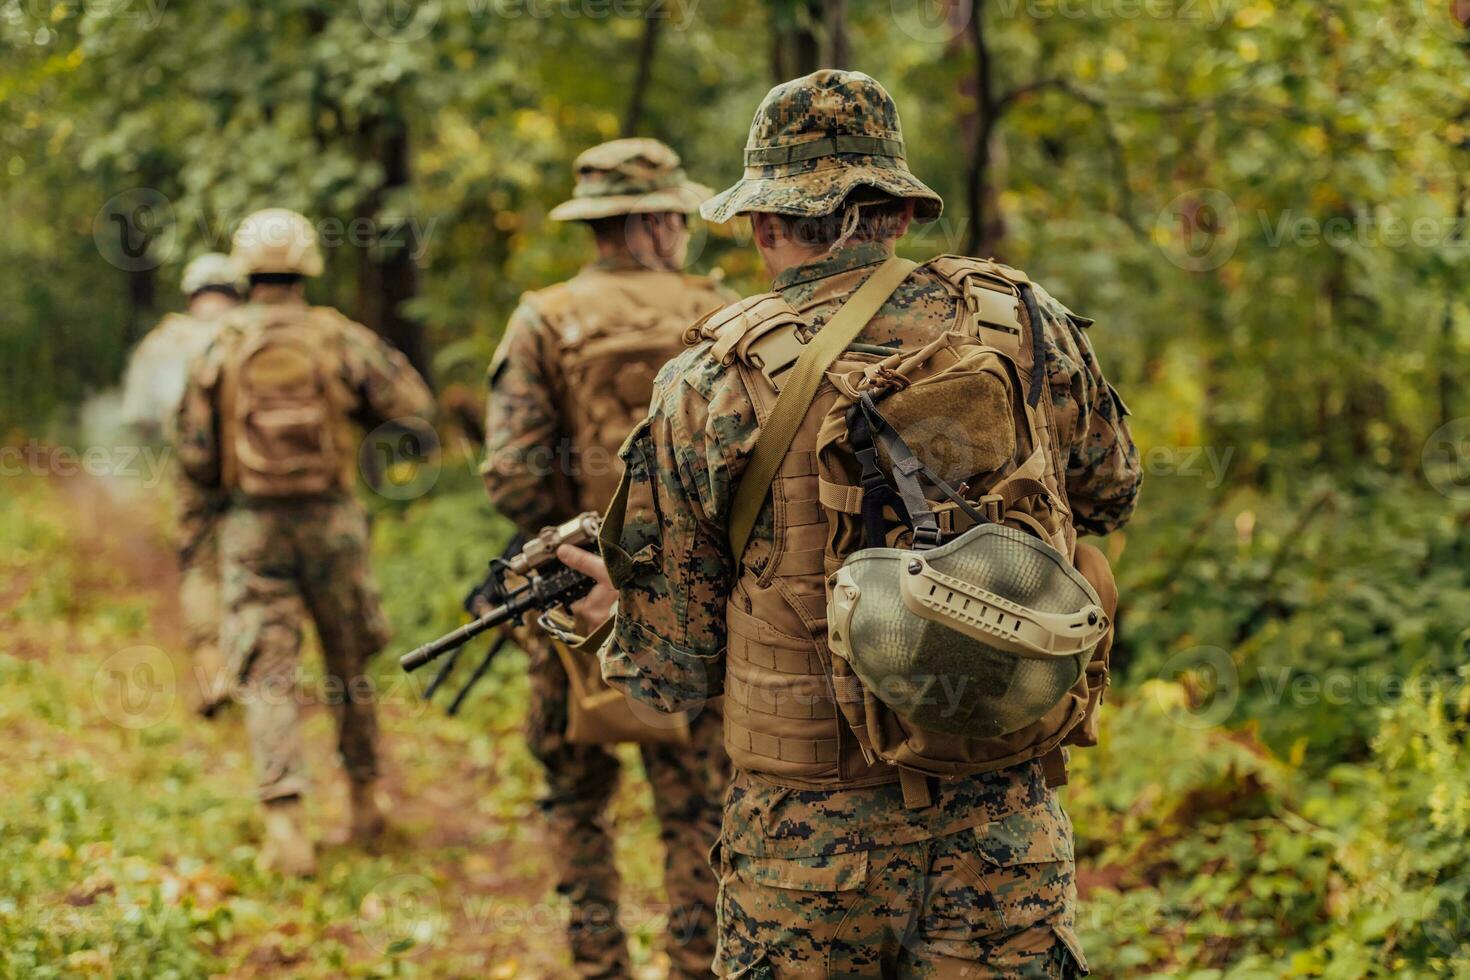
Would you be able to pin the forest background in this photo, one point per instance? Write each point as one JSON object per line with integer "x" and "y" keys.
{"x": 1263, "y": 204}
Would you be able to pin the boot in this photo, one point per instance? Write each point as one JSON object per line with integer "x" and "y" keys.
{"x": 367, "y": 818}
{"x": 214, "y": 689}
{"x": 288, "y": 849}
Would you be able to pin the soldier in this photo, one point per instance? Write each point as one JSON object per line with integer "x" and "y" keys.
{"x": 159, "y": 367}
{"x": 568, "y": 383}
{"x": 157, "y": 373}
{"x": 267, "y": 422}
{"x": 841, "y": 854}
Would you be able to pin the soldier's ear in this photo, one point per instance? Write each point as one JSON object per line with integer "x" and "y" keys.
{"x": 908, "y": 217}
{"x": 765, "y": 229}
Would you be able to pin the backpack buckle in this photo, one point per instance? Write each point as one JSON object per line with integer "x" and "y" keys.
{"x": 994, "y": 307}
{"x": 927, "y": 536}
{"x": 775, "y": 354}
{"x": 992, "y": 505}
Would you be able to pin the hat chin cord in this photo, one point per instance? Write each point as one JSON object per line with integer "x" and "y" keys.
{"x": 851, "y": 215}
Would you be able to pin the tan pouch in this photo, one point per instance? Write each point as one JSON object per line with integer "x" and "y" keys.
{"x": 1094, "y": 566}
{"x": 599, "y": 714}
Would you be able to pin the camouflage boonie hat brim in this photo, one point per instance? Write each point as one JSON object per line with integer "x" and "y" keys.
{"x": 630, "y": 176}
{"x": 816, "y": 139}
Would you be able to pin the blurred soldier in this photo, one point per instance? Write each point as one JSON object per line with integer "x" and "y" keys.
{"x": 159, "y": 367}
{"x": 568, "y": 383}
{"x": 842, "y": 854}
{"x": 157, "y": 373}
{"x": 267, "y": 421}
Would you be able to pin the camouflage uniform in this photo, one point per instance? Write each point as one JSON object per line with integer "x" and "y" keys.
{"x": 284, "y": 557}
{"x": 157, "y": 373}
{"x": 847, "y": 881}
{"x": 570, "y": 379}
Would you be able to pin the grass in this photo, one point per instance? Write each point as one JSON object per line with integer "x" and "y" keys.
{"x": 127, "y": 828}
{"x": 1285, "y": 835}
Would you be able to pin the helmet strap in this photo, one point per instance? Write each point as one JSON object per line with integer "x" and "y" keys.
{"x": 907, "y": 468}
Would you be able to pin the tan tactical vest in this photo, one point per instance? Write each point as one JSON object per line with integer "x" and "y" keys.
{"x": 781, "y": 709}
{"x": 285, "y": 428}
{"x": 615, "y": 329}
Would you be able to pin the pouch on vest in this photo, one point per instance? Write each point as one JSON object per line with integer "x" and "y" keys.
{"x": 600, "y": 714}
{"x": 284, "y": 421}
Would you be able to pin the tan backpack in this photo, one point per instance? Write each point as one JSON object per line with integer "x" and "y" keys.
{"x": 285, "y": 430}
{"x": 614, "y": 339}
{"x": 967, "y": 416}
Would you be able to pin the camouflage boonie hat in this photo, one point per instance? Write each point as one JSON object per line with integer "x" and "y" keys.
{"x": 630, "y": 176}
{"x": 813, "y": 141}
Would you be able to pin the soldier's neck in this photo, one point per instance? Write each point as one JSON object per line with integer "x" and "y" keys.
{"x": 785, "y": 254}
{"x": 276, "y": 294}
{"x": 208, "y": 305}
{"x": 617, "y": 256}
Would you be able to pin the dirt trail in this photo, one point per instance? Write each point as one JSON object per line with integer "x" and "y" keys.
{"x": 479, "y": 895}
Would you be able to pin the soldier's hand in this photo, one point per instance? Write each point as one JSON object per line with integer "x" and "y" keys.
{"x": 602, "y": 601}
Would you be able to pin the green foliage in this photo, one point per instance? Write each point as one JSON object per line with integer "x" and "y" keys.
{"x": 1294, "y": 802}
{"x": 1262, "y": 203}
{"x": 1277, "y": 185}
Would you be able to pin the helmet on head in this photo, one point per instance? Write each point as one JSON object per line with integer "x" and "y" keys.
{"x": 277, "y": 240}
{"x": 211, "y": 269}
{"x": 816, "y": 139}
{"x": 629, "y": 176}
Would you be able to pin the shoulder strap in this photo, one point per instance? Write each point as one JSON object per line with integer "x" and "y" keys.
{"x": 798, "y": 390}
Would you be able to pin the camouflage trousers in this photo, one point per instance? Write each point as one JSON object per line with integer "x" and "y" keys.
{"x": 199, "y": 600}
{"x": 279, "y": 563}
{"x": 997, "y": 900}
{"x": 687, "y": 782}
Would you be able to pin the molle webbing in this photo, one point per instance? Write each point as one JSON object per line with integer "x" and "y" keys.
{"x": 798, "y": 390}
{"x": 996, "y": 295}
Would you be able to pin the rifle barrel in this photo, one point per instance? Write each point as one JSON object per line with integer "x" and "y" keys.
{"x": 435, "y": 649}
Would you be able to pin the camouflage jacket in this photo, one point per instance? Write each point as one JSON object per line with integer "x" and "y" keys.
{"x": 573, "y": 376}
{"x": 380, "y": 379}
{"x": 159, "y": 370}
{"x": 683, "y": 466}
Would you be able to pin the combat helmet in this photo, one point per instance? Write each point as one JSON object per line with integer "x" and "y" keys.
{"x": 629, "y": 176}
{"x": 816, "y": 139}
{"x": 210, "y": 270}
{"x": 279, "y": 241}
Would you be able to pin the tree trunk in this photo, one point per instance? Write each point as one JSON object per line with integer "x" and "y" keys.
{"x": 839, "y": 48}
{"x": 142, "y": 302}
{"x": 387, "y": 276}
{"x": 985, "y": 226}
{"x": 795, "y": 49}
{"x": 652, "y": 23}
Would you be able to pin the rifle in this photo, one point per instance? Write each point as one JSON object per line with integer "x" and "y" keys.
{"x": 487, "y": 593}
{"x": 542, "y": 585}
